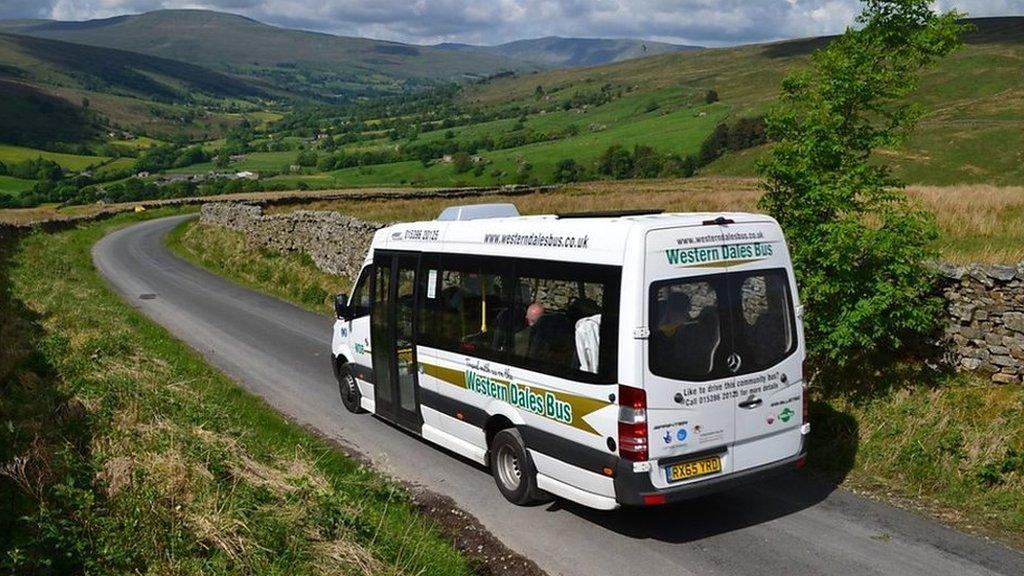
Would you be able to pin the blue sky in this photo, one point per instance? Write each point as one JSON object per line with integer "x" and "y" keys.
{"x": 703, "y": 22}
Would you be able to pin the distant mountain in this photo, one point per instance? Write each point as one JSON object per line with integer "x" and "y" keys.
{"x": 317, "y": 64}
{"x": 557, "y": 52}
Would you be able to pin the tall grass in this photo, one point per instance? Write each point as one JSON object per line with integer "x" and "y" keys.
{"x": 978, "y": 223}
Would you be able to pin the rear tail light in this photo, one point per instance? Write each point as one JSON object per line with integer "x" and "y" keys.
{"x": 654, "y": 499}
{"x": 801, "y": 462}
{"x": 633, "y": 424}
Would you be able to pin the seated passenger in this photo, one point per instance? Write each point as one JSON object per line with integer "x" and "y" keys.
{"x": 521, "y": 343}
{"x": 588, "y": 343}
{"x": 675, "y": 313}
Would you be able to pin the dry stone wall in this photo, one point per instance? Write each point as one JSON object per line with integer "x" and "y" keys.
{"x": 985, "y": 319}
{"x": 984, "y": 314}
{"x": 336, "y": 243}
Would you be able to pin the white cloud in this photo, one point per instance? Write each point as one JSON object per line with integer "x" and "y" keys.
{"x": 706, "y": 22}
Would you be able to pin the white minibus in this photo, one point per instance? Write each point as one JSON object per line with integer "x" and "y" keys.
{"x": 613, "y": 359}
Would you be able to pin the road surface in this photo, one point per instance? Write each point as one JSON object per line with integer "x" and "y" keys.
{"x": 795, "y": 525}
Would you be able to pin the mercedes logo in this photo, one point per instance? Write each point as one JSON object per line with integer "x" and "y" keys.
{"x": 733, "y": 362}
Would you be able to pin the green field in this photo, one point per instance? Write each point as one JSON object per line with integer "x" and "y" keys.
{"x": 135, "y": 144}
{"x": 254, "y": 162}
{"x": 11, "y": 154}
{"x": 14, "y": 186}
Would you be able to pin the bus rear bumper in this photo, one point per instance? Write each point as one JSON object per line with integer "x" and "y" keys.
{"x": 635, "y": 489}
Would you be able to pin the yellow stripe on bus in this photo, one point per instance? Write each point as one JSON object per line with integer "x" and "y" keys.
{"x": 561, "y": 407}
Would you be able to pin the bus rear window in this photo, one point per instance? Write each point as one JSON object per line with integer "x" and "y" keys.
{"x": 698, "y": 323}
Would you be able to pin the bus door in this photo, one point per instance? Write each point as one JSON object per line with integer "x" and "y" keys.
{"x": 393, "y": 328}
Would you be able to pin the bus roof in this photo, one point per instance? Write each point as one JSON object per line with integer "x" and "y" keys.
{"x": 601, "y": 239}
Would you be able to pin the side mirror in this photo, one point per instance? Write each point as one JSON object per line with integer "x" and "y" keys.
{"x": 341, "y": 309}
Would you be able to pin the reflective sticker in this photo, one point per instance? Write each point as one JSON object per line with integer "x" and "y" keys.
{"x": 432, "y": 284}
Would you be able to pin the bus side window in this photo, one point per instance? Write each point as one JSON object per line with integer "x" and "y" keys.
{"x": 558, "y": 315}
{"x": 472, "y": 310}
{"x": 360, "y": 300}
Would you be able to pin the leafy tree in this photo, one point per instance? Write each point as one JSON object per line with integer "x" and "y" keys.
{"x": 860, "y": 247}
{"x": 647, "y": 162}
{"x": 306, "y": 158}
{"x": 191, "y": 155}
{"x": 36, "y": 169}
{"x": 325, "y": 163}
{"x": 714, "y": 145}
{"x": 568, "y": 170}
{"x": 676, "y": 166}
{"x": 462, "y": 162}
{"x": 616, "y": 162}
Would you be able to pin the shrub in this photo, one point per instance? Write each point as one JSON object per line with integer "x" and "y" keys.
{"x": 462, "y": 162}
{"x": 647, "y": 162}
{"x": 568, "y": 170}
{"x": 307, "y": 158}
{"x": 36, "y": 169}
{"x": 615, "y": 162}
{"x": 711, "y": 96}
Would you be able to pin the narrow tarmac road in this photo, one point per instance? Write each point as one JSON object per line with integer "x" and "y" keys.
{"x": 794, "y": 525}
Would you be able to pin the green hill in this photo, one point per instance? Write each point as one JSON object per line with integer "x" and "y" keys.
{"x": 58, "y": 92}
{"x": 116, "y": 71}
{"x": 974, "y": 130}
{"x": 557, "y": 52}
{"x": 311, "y": 63}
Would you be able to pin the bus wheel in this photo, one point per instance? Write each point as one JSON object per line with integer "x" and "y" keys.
{"x": 512, "y": 468}
{"x": 350, "y": 394}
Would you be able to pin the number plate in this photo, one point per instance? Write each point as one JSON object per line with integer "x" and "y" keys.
{"x": 694, "y": 468}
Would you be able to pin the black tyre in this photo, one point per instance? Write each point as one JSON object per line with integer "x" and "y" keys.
{"x": 350, "y": 395}
{"x": 513, "y": 469}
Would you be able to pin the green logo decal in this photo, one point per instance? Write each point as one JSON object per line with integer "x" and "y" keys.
{"x": 714, "y": 255}
{"x": 785, "y": 415}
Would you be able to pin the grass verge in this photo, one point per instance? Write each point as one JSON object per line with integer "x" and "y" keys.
{"x": 953, "y": 448}
{"x": 123, "y": 452}
{"x": 293, "y": 276}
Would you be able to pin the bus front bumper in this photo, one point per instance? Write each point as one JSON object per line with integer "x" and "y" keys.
{"x": 635, "y": 489}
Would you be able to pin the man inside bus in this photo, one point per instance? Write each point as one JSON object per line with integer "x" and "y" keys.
{"x": 534, "y": 312}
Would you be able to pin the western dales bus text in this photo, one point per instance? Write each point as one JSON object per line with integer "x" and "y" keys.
{"x": 711, "y": 254}
{"x": 545, "y": 404}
